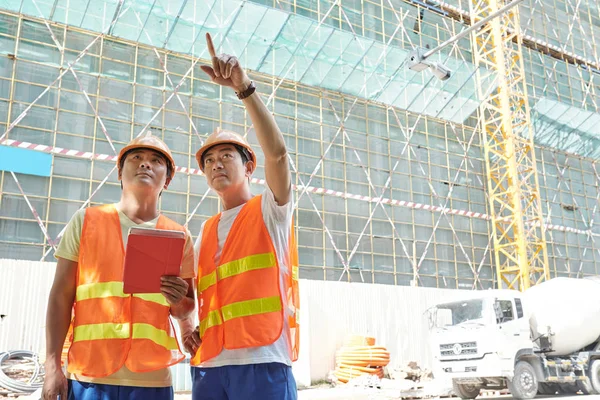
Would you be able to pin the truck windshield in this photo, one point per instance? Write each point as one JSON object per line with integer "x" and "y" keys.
{"x": 460, "y": 312}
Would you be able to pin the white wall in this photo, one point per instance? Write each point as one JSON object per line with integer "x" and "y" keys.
{"x": 329, "y": 312}
{"x": 394, "y": 315}
{"x": 24, "y": 288}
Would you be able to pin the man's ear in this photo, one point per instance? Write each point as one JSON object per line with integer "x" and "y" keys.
{"x": 250, "y": 167}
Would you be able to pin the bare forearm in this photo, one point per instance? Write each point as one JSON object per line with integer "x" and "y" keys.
{"x": 227, "y": 71}
{"x": 277, "y": 168}
{"x": 187, "y": 324}
{"x": 58, "y": 319}
{"x": 268, "y": 133}
{"x": 183, "y": 309}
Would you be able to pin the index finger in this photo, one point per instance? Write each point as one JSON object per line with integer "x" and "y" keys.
{"x": 211, "y": 46}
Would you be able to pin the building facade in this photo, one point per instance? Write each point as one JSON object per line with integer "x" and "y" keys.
{"x": 387, "y": 163}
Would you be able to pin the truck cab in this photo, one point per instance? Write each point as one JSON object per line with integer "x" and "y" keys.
{"x": 545, "y": 340}
{"x": 476, "y": 340}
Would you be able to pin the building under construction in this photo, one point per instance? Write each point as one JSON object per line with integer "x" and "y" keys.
{"x": 433, "y": 144}
{"x": 484, "y": 179}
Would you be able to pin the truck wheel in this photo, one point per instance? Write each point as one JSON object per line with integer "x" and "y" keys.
{"x": 524, "y": 384}
{"x": 595, "y": 376}
{"x": 465, "y": 390}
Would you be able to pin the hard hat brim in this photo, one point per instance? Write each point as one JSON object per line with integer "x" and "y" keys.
{"x": 206, "y": 147}
{"x": 127, "y": 148}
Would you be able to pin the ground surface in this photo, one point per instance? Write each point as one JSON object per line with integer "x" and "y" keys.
{"x": 341, "y": 393}
{"x": 361, "y": 394}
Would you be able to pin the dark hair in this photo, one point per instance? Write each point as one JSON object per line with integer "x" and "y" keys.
{"x": 169, "y": 167}
{"x": 244, "y": 154}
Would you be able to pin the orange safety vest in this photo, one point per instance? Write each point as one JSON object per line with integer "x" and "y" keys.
{"x": 111, "y": 328}
{"x": 240, "y": 301}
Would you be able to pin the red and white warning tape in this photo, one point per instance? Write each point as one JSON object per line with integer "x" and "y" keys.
{"x": 311, "y": 189}
{"x": 197, "y": 171}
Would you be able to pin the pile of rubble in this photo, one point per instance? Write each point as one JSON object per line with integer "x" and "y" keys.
{"x": 403, "y": 381}
{"x": 410, "y": 371}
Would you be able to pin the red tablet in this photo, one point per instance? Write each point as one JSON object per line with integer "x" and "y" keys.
{"x": 150, "y": 254}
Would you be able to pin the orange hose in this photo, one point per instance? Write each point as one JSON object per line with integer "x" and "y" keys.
{"x": 344, "y": 375}
{"x": 362, "y": 356}
{"x": 350, "y": 372}
{"x": 362, "y": 348}
{"x": 362, "y": 363}
{"x": 356, "y": 368}
{"x": 366, "y": 356}
{"x": 355, "y": 340}
{"x": 359, "y": 356}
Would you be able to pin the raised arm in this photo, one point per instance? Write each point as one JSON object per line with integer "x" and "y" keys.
{"x": 227, "y": 71}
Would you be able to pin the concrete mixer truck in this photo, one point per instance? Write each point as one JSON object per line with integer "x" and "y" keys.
{"x": 544, "y": 340}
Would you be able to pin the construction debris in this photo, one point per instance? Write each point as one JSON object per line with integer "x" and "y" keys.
{"x": 410, "y": 371}
{"x": 369, "y": 381}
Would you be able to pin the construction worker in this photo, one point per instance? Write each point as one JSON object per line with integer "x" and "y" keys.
{"x": 122, "y": 345}
{"x": 247, "y": 261}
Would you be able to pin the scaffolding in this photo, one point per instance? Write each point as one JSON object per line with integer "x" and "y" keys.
{"x": 383, "y": 195}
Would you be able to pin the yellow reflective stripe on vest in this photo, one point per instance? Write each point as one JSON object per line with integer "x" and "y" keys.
{"x": 213, "y": 319}
{"x": 99, "y": 290}
{"x": 154, "y": 298}
{"x": 295, "y": 274}
{"x": 250, "y": 263}
{"x": 251, "y": 307}
{"x": 207, "y": 281}
{"x": 100, "y": 331}
{"x": 158, "y": 336}
{"x": 121, "y": 331}
{"x": 236, "y": 267}
{"x": 240, "y": 309}
{"x": 103, "y": 290}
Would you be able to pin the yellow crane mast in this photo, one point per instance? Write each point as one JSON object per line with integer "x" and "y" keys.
{"x": 513, "y": 190}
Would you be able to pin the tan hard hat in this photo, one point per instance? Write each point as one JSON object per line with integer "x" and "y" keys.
{"x": 148, "y": 141}
{"x": 222, "y": 137}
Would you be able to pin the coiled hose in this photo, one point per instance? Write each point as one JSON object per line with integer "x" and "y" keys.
{"x": 359, "y": 356}
{"x": 16, "y": 385}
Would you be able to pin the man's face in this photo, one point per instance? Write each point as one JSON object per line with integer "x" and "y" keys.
{"x": 144, "y": 168}
{"x": 224, "y": 168}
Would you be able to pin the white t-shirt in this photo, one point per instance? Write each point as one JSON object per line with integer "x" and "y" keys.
{"x": 278, "y": 220}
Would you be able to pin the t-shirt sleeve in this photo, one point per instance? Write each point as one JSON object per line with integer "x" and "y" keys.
{"x": 68, "y": 248}
{"x": 273, "y": 211}
{"x": 188, "y": 263}
{"x": 197, "y": 249}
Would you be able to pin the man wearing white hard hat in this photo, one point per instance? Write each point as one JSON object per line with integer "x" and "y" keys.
{"x": 247, "y": 282}
{"x": 122, "y": 345}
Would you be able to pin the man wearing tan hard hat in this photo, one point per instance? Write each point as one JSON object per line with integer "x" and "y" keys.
{"x": 247, "y": 282}
{"x": 122, "y": 345}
